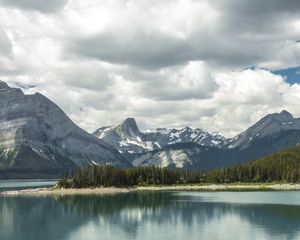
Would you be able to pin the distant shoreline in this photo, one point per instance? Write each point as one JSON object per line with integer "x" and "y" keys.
{"x": 116, "y": 190}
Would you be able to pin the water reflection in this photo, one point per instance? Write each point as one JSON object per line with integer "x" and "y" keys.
{"x": 147, "y": 215}
{"x": 25, "y": 184}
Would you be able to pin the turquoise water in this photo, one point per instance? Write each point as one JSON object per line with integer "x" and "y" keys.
{"x": 25, "y": 184}
{"x": 153, "y": 215}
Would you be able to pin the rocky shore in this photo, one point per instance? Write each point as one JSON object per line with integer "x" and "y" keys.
{"x": 114, "y": 190}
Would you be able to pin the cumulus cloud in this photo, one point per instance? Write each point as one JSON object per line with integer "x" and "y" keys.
{"x": 251, "y": 87}
{"x": 85, "y": 74}
{"x": 170, "y": 63}
{"x": 287, "y": 56}
{"x": 192, "y": 81}
{"x": 248, "y": 95}
{"x": 44, "y": 6}
{"x": 134, "y": 49}
{"x": 226, "y": 33}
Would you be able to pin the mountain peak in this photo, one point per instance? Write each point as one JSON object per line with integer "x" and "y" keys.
{"x": 4, "y": 85}
{"x": 9, "y": 92}
{"x": 286, "y": 114}
{"x": 44, "y": 137}
{"x": 270, "y": 125}
{"x": 129, "y": 125}
{"x": 129, "y": 120}
{"x": 283, "y": 116}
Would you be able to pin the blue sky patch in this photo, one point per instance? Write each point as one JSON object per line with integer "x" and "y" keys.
{"x": 292, "y": 74}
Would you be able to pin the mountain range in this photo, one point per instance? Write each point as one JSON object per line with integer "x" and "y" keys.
{"x": 198, "y": 149}
{"x": 38, "y": 140}
{"x": 127, "y": 138}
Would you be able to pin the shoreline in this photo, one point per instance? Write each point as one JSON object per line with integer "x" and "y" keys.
{"x": 117, "y": 190}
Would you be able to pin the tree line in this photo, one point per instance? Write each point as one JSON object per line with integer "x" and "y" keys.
{"x": 106, "y": 176}
{"x": 283, "y": 166}
{"x": 280, "y": 167}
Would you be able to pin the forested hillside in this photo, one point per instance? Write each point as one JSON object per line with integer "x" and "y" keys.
{"x": 282, "y": 166}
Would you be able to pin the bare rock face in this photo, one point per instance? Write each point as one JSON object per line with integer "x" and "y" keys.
{"x": 128, "y": 139}
{"x": 37, "y": 136}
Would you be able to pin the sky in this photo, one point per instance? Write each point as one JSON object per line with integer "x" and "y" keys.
{"x": 217, "y": 65}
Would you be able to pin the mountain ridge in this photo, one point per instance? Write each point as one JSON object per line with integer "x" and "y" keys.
{"x": 268, "y": 125}
{"x": 130, "y": 139}
{"x": 272, "y": 133}
{"x": 35, "y": 134}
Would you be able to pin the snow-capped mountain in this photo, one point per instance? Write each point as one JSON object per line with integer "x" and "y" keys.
{"x": 36, "y": 136}
{"x": 272, "y": 133}
{"x": 127, "y": 137}
{"x": 197, "y": 149}
{"x": 167, "y": 136}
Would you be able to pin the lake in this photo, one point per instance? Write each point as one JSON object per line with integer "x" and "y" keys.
{"x": 25, "y": 184}
{"x": 152, "y": 215}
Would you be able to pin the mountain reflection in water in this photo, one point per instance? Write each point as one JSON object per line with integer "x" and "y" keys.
{"x": 150, "y": 215}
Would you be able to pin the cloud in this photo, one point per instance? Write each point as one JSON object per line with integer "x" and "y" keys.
{"x": 170, "y": 63}
{"x": 191, "y": 81}
{"x": 83, "y": 75}
{"x": 246, "y": 96}
{"x": 222, "y": 33}
{"x": 251, "y": 87}
{"x": 287, "y": 56}
{"x": 160, "y": 37}
{"x": 5, "y": 44}
{"x": 6, "y": 65}
{"x": 44, "y": 6}
{"x": 134, "y": 49}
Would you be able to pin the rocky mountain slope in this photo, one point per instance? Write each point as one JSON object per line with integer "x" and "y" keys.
{"x": 194, "y": 156}
{"x": 37, "y": 138}
{"x": 128, "y": 139}
{"x": 270, "y": 126}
